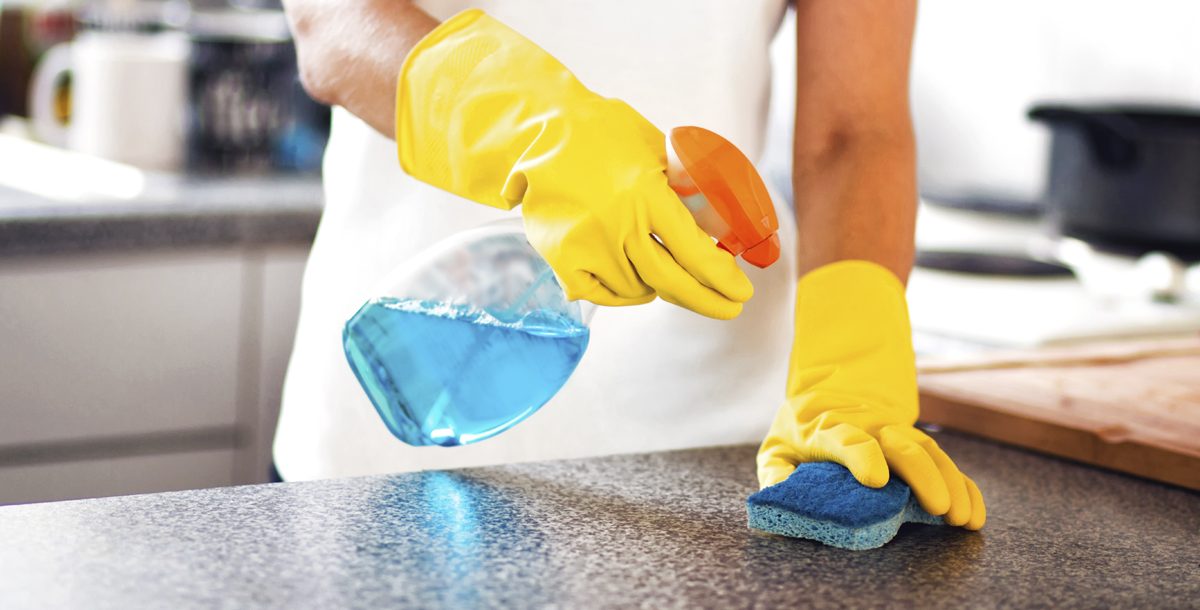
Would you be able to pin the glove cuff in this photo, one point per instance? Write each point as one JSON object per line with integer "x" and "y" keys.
{"x": 853, "y": 333}
{"x": 472, "y": 81}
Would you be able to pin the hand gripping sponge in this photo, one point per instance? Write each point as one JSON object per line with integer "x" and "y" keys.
{"x": 822, "y": 501}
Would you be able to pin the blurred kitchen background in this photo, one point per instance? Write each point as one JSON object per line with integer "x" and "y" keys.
{"x": 159, "y": 190}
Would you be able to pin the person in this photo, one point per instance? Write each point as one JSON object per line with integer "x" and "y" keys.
{"x": 555, "y": 111}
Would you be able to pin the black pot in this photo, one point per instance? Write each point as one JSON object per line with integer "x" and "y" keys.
{"x": 1126, "y": 177}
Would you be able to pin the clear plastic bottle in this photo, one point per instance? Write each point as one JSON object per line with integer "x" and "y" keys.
{"x": 475, "y": 334}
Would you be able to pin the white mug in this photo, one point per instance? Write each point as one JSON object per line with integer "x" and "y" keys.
{"x": 128, "y": 97}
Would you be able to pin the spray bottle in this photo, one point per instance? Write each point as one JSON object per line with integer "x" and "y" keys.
{"x": 475, "y": 334}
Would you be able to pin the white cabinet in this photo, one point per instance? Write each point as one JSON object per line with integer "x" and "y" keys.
{"x": 118, "y": 345}
{"x": 277, "y": 273}
{"x": 117, "y": 356}
{"x": 114, "y": 476}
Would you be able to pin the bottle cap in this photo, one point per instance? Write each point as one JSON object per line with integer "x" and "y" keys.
{"x": 734, "y": 191}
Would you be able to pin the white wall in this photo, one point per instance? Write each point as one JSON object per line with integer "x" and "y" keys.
{"x": 977, "y": 67}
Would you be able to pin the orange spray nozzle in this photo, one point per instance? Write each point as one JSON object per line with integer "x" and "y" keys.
{"x": 724, "y": 192}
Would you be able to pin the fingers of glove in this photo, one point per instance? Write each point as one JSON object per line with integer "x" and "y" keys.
{"x": 662, "y": 273}
{"x": 912, "y": 463}
{"x": 622, "y": 280}
{"x": 774, "y": 469}
{"x": 591, "y": 270}
{"x": 694, "y": 250}
{"x": 978, "y": 509}
{"x": 584, "y": 285}
{"x": 960, "y": 499}
{"x": 853, "y": 448}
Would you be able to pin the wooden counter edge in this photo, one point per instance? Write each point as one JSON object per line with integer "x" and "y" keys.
{"x": 1130, "y": 456}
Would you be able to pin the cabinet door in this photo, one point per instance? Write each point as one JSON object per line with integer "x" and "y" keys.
{"x": 118, "y": 345}
{"x": 116, "y": 476}
{"x": 280, "y": 271}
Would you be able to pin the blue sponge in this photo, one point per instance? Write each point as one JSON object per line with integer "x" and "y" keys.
{"x": 823, "y": 501}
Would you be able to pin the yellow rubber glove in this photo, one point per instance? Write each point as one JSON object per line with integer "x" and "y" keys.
{"x": 486, "y": 114}
{"x": 852, "y": 394}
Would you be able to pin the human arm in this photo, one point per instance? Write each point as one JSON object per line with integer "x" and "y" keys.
{"x": 852, "y": 393}
{"x": 350, "y": 52}
{"x": 854, "y": 152}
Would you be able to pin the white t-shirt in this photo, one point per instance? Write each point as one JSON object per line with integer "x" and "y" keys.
{"x": 654, "y": 377}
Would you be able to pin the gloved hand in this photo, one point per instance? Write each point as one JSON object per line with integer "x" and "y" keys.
{"x": 486, "y": 114}
{"x": 852, "y": 394}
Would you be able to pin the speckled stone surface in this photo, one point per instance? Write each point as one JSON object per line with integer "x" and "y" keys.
{"x": 655, "y": 531}
{"x": 171, "y": 212}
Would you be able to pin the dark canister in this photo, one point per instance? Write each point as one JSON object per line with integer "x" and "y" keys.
{"x": 247, "y": 110}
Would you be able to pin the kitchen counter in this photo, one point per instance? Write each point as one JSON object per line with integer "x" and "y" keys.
{"x": 170, "y": 211}
{"x": 654, "y": 530}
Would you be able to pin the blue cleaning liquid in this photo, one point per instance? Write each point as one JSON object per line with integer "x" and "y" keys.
{"x": 443, "y": 374}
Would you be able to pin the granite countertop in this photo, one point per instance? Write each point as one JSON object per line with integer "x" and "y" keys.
{"x": 655, "y": 530}
{"x": 170, "y": 211}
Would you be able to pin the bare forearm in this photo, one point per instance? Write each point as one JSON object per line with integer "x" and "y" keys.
{"x": 857, "y": 202}
{"x": 351, "y": 51}
{"x": 854, "y": 154}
